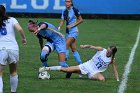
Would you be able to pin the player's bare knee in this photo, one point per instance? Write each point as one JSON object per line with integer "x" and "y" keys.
{"x": 13, "y": 73}
{"x": 101, "y": 78}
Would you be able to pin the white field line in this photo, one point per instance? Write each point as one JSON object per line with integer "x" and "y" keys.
{"x": 123, "y": 83}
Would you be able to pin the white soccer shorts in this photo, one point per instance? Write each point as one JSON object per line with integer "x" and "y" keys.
{"x": 88, "y": 68}
{"x": 9, "y": 56}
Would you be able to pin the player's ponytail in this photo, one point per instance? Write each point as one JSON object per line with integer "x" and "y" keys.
{"x": 114, "y": 50}
{"x": 3, "y": 16}
{"x": 72, "y": 3}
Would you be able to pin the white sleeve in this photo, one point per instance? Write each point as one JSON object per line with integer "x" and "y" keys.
{"x": 14, "y": 21}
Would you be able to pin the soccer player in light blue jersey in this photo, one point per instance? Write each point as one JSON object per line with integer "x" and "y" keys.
{"x": 73, "y": 18}
{"x": 55, "y": 40}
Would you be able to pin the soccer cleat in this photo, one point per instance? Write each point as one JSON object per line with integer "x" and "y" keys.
{"x": 68, "y": 75}
{"x": 42, "y": 69}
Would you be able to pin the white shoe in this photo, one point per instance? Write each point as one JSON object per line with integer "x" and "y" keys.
{"x": 42, "y": 69}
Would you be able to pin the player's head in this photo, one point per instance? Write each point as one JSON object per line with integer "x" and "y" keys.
{"x": 3, "y": 15}
{"x": 32, "y": 26}
{"x": 68, "y": 3}
{"x": 111, "y": 51}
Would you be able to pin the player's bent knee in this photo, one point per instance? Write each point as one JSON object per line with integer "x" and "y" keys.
{"x": 13, "y": 74}
{"x": 101, "y": 78}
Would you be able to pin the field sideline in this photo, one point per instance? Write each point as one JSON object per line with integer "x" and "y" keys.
{"x": 122, "y": 33}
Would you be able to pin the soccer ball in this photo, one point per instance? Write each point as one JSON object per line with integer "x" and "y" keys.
{"x": 44, "y": 75}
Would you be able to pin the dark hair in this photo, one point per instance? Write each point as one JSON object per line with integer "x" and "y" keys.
{"x": 32, "y": 21}
{"x": 3, "y": 16}
{"x": 71, "y": 2}
{"x": 114, "y": 50}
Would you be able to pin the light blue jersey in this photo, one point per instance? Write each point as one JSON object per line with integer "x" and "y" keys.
{"x": 49, "y": 34}
{"x": 70, "y": 16}
{"x": 53, "y": 37}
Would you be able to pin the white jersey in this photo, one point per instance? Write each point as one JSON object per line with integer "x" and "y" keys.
{"x": 7, "y": 35}
{"x": 100, "y": 60}
{"x": 98, "y": 63}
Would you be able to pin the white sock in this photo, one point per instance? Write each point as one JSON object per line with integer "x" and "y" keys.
{"x": 53, "y": 68}
{"x": 1, "y": 85}
{"x": 14, "y": 83}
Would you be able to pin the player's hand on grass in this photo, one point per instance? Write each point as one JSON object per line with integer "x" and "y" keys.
{"x": 24, "y": 41}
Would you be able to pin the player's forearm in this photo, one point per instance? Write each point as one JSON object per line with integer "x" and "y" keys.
{"x": 79, "y": 21}
{"x": 61, "y": 24}
{"x": 43, "y": 26}
{"x": 22, "y": 34}
{"x": 115, "y": 72}
{"x": 91, "y": 47}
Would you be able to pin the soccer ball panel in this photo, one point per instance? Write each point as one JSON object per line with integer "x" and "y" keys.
{"x": 44, "y": 75}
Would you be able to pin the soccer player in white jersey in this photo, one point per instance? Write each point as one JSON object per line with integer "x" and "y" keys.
{"x": 94, "y": 67}
{"x": 9, "y": 51}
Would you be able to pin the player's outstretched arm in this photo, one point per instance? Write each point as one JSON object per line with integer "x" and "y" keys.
{"x": 115, "y": 69}
{"x": 92, "y": 47}
{"x": 43, "y": 26}
{"x": 56, "y": 32}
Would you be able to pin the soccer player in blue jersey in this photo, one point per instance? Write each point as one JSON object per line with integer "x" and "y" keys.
{"x": 55, "y": 40}
{"x": 73, "y": 18}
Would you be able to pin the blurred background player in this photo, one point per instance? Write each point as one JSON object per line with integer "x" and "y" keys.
{"x": 94, "y": 67}
{"x": 73, "y": 18}
{"x": 9, "y": 51}
{"x": 55, "y": 40}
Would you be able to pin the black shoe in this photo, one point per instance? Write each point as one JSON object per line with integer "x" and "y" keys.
{"x": 68, "y": 75}
{"x": 13, "y": 92}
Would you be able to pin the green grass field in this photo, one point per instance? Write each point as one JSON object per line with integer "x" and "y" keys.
{"x": 122, "y": 33}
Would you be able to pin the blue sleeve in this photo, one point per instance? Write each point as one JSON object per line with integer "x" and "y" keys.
{"x": 43, "y": 23}
{"x": 76, "y": 11}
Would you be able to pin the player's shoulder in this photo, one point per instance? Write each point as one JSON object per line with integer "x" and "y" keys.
{"x": 76, "y": 11}
{"x": 40, "y": 23}
{"x": 64, "y": 9}
{"x": 11, "y": 18}
{"x": 74, "y": 8}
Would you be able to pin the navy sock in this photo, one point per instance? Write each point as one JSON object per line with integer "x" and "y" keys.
{"x": 45, "y": 64}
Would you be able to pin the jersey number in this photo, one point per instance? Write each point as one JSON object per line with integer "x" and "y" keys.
{"x": 98, "y": 65}
{"x": 3, "y": 31}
